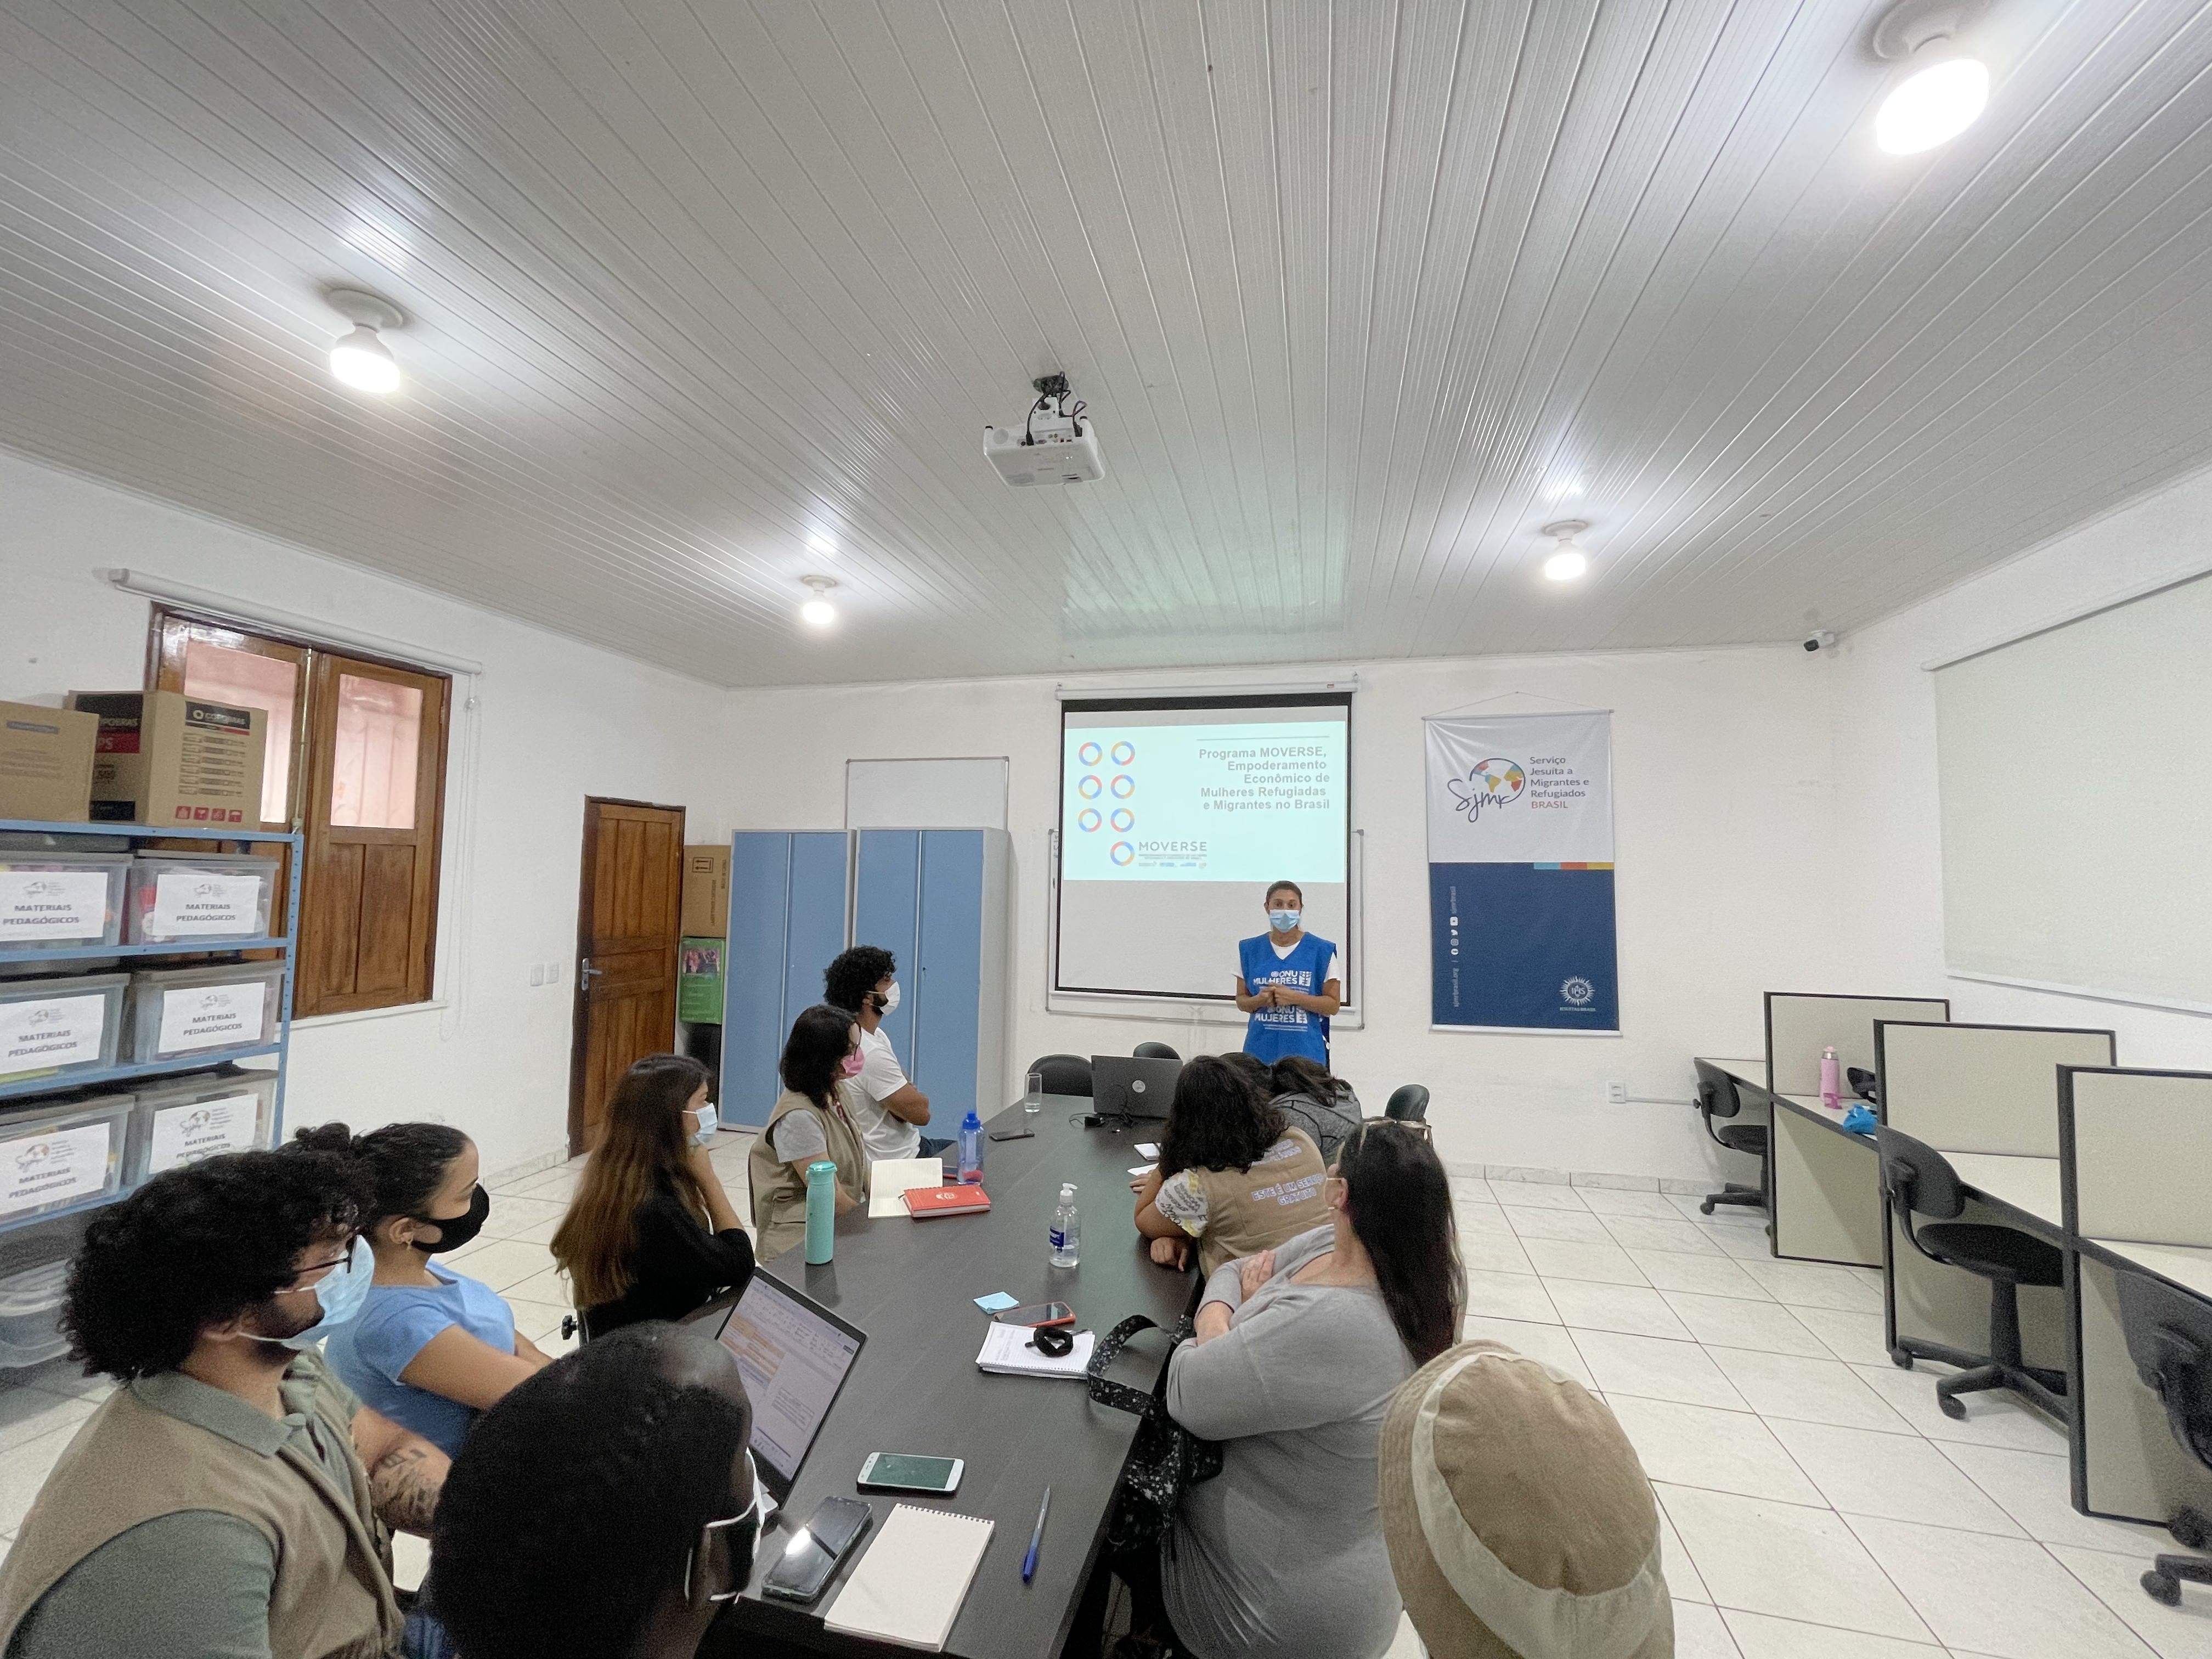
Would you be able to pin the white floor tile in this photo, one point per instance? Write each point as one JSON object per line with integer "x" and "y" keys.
{"x": 1807, "y": 1390}
{"x": 1551, "y": 1344}
{"x": 1899, "y": 1477}
{"x": 1719, "y": 1450}
{"x": 1509, "y": 1296}
{"x": 63, "y": 1375}
{"x": 1613, "y": 1200}
{"x": 1811, "y": 1284}
{"x": 2182, "y": 1632}
{"x": 1744, "y": 1243}
{"x": 512, "y": 1216}
{"x": 1652, "y": 1369}
{"x": 1761, "y": 1636}
{"x": 1535, "y": 1195}
{"x": 1790, "y": 1560}
{"x": 1481, "y": 1218}
{"x": 1710, "y": 1274}
{"x": 1993, "y": 1419}
{"x": 504, "y": 1263}
{"x": 548, "y": 1288}
{"x": 24, "y": 1470}
{"x": 1470, "y": 1189}
{"x": 2007, "y": 1597}
{"x": 27, "y": 1413}
{"x": 1727, "y": 1215}
{"x": 1626, "y": 1308}
{"x": 1561, "y": 1258}
{"x": 1576, "y": 1227}
{"x": 1517, "y": 1175}
{"x": 552, "y": 1186}
{"x": 1727, "y": 1322}
{"x": 1854, "y": 1337}
{"x": 2036, "y": 1489}
{"x": 539, "y": 1319}
{"x": 1496, "y": 1253}
{"x": 1698, "y": 1631}
{"x": 1642, "y": 1233}
{"x": 1407, "y": 1645}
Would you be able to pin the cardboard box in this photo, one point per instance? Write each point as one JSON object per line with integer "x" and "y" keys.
{"x": 706, "y": 891}
{"x": 163, "y": 757}
{"x": 46, "y": 762}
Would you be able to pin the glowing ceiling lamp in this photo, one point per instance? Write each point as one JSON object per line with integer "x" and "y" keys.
{"x": 361, "y": 359}
{"x": 1946, "y": 90}
{"x": 1568, "y": 562}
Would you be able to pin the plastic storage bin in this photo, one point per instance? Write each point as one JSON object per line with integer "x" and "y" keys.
{"x": 61, "y": 901}
{"x": 56, "y": 1157}
{"x": 30, "y": 1315}
{"x": 200, "y": 898}
{"x": 59, "y": 1027}
{"x": 178, "y": 1013}
{"x": 194, "y": 1117}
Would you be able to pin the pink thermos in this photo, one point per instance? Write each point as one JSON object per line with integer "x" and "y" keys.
{"x": 1831, "y": 1081}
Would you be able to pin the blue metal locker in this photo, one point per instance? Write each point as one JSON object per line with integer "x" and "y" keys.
{"x": 951, "y": 983}
{"x": 786, "y": 921}
{"x": 887, "y": 911}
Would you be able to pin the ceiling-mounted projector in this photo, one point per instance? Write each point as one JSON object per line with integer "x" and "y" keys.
{"x": 1054, "y": 445}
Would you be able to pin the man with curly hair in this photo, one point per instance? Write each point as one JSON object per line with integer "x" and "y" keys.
{"x": 230, "y": 1499}
{"x": 883, "y": 1103}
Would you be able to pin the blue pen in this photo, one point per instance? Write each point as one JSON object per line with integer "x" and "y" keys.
{"x": 1037, "y": 1538}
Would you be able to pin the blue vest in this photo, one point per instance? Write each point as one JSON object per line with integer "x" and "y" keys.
{"x": 1273, "y": 1033}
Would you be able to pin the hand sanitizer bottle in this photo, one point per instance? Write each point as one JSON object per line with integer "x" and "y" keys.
{"x": 1066, "y": 1229}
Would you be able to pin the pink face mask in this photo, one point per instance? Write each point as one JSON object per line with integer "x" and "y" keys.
{"x": 850, "y": 1065}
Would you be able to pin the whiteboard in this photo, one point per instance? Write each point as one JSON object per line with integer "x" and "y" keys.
{"x": 961, "y": 793}
{"x": 2075, "y": 775}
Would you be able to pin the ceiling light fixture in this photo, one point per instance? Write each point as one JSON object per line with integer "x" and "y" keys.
{"x": 1946, "y": 89}
{"x": 817, "y": 611}
{"x": 361, "y": 359}
{"x": 1568, "y": 562}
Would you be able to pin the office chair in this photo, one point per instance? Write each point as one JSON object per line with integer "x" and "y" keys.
{"x": 1918, "y": 1180}
{"x": 1064, "y": 1074}
{"x": 1717, "y": 1097}
{"x": 1154, "y": 1051}
{"x": 2170, "y": 1340}
{"x": 1408, "y": 1103}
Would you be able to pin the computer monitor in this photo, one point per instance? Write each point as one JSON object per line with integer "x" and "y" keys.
{"x": 1121, "y": 1085}
{"x": 794, "y": 1355}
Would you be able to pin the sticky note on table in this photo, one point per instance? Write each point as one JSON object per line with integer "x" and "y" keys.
{"x": 997, "y": 1302}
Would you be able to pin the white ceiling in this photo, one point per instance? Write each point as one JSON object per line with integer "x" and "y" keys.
{"x": 1360, "y": 295}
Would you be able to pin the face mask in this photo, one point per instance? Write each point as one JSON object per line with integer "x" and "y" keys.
{"x": 705, "y": 1121}
{"x": 850, "y": 1065}
{"x": 341, "y": 1291}
{"x": 889, "y": 1000}
{"x": 459, "y": 1229}
{"x": 1284, "y": 921}
{"x": 743, "y": 1531}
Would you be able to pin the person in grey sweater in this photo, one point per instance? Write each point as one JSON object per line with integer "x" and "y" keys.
{"x": 1298, "y": 1352}
{"x": 1311, "y": 1099}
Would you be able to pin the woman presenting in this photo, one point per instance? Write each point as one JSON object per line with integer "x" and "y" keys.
{"x": 1289, "y": 983}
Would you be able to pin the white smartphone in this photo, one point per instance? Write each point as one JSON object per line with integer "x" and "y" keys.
{"x": 910, "y": 1472}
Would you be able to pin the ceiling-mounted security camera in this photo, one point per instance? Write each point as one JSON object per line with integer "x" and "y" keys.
{"x": 1822, "y": 641}
{"x": 1056, "y": 444}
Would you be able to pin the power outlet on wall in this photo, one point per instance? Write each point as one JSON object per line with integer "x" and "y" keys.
{"x": 1616, "y": 1094}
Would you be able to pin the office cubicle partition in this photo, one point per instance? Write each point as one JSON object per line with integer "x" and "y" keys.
{"x": 2135, "y": 1158}
{"x": 1800, "y": 1026}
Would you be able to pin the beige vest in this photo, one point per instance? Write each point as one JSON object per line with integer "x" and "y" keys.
{"x": 780, "y": 1191}
{"x": 131, "y": 1463}
{"x": 1249, "y": 1211}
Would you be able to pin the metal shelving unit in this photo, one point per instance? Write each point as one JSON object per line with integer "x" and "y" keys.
{"x": 13, "y": 1095}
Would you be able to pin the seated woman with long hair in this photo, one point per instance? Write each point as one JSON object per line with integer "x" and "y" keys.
{"x": 650, "y": 1234}
{"x": 1233, "y": 1177}
{"x": 1310, "y": 1098}
{"x": 1298, "y": 1352}
{"x": 809, "y": 1123}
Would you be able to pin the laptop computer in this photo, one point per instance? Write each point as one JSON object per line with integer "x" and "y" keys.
{"x": 1122, "y": 1085}
{"x": 794, "y": 1355}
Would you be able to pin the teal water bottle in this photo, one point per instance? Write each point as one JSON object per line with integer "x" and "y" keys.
{"x": 820, "y": 1212}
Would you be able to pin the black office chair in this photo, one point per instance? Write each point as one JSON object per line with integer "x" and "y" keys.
{"x": 1861, "y": 1081}
{"x": 1064, "y": 1074}
{"x": 1408, "y": 1103}
{"x": 1918, "y": 1180}
{"x": 1154, "y": 1051}
{"x": 2170, "y": 1339}
{"x": 1717, "y": 1097}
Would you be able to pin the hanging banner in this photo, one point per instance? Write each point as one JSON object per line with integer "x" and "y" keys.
{"x": 1521, "y": 922}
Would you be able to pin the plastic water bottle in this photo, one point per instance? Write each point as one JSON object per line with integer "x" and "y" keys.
{"x": 1831, "y": 1081}
{"x": 1033, "y": 1101}
{"x": 971, "y": 1147}
{"x": 820, "y": 1212}
{"x": 1066, "y": 1229}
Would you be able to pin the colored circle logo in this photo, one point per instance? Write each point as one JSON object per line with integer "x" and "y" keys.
{"x": 1088, "y": 788}
{"x": 1124, "y": 786}
{"x": 1124, "y": 752}
{"x": 1124, "y": 819}
{"x": 1087, "y": 820}
{"x": 1489, "y": 784}
{"x": 1089, "y": 754}
{"x": 1122, "y": 852}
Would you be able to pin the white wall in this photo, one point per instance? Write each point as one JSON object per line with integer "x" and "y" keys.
{"x": 1724, "y": 889}
{"x": 1889, "y": 849}
{"x": 555, "y": 721}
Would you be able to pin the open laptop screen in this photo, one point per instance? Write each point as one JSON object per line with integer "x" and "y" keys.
{"x": 794, "y": 1354}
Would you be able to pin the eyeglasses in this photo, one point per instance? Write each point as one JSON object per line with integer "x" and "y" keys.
{"x": 697, "y": 1595}
{"x": 300, "y": 1280}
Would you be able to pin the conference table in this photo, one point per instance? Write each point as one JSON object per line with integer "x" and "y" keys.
{"x": 911, "y": 1287}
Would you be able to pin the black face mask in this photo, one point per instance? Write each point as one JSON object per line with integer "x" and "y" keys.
{"x": 460, "y": 1229}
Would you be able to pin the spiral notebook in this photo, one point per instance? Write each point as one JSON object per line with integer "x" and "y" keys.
{"x": 908, "y": 1587}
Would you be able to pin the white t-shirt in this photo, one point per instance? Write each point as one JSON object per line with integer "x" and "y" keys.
{"x": 883, "y": 1132}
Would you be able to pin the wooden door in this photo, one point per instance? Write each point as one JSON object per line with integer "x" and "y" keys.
{"x": 628, "y": 920}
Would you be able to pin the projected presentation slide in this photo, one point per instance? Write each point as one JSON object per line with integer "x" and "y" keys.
{"x": 1176, "y": 814}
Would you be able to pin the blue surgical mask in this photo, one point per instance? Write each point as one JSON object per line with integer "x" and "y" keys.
{"x": 703, "y": 1124}
{"x": 1284, "y": 921}
{"x": 342, "y": 1292}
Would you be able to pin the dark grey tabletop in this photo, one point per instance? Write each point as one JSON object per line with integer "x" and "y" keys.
{"x": 910, "y": 1286}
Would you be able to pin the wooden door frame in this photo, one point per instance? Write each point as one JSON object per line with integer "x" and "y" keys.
{"x": 580, "y": 1025}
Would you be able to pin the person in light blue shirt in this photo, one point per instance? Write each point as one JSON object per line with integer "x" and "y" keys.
{"x": 1290, "y": 981}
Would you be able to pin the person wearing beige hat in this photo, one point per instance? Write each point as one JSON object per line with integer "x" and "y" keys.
{"x": 1519, "y": 1523}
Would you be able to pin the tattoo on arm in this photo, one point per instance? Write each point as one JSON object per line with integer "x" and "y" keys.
{"x": 405, "y": 1483}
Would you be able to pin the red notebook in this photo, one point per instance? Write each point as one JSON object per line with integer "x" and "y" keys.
{"x": 923, "y": 1202}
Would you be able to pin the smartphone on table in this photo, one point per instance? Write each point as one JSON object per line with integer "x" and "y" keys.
{"x": 816, "y": 1548}
{"x": 937, "y": 1476}
{"x": 1037, "y": 1313}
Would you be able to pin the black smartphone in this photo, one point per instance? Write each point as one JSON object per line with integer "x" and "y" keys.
{"x": 816, "y": 1548}
{"x": 1037, "y": 1313}
{"x": 1011, "y": 1134}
